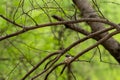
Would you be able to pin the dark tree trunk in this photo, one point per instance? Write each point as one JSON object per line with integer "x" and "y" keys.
{"x": 88, "y": 12}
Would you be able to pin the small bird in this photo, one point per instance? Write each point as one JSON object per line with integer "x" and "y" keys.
{"x": 67, "y": 61}
{"x": 68, "y": 58}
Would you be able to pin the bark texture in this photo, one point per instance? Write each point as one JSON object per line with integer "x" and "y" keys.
{"x": 87, "y": 11}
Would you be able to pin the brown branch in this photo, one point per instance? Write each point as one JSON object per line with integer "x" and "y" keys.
{"x": 64, "y": 67}
{"x": 49, "y": 63}
{"x": 25, "y": 29}
{"x": 57, "y": 58}
{"x": 72, "y": 26}
{"x": 53, "y": 69}
{"x": 95, "y": 45}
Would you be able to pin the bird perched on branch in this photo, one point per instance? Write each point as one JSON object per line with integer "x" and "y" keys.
{"x": 68, "y": 58}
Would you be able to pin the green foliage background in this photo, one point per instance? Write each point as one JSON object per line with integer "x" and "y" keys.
{"x": 25, "y": 50}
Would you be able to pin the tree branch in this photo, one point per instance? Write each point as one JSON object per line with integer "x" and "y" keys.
{"x": 72, "y": 26}
{"x": 95, "y": 45}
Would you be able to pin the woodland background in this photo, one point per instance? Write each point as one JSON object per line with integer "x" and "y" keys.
{"x": 22, "y": 52}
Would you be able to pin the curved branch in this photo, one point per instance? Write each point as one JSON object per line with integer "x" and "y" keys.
{"x": 72, "y": 26}
{"x": 35, "y": 67}
{"x": 25, "y": 29}
{"x": 95, "y": 45}
{"x": 48, "y": 72}
{"x": 53, "y": 69}
{"x": 49, "y": 63}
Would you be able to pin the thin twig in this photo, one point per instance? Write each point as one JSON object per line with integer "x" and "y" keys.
{"x": 12, "y": 22}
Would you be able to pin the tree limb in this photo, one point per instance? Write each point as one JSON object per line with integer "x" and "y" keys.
{"x": 25, "y": 29}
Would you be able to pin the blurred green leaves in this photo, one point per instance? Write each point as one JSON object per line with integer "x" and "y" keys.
{"x": 26, "y": 50}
